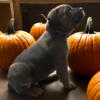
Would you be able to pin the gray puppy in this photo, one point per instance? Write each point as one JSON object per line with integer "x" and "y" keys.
{"x": 49, "y": 53}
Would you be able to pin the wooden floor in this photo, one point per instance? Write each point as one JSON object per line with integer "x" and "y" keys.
{"x": 53, "y": 91}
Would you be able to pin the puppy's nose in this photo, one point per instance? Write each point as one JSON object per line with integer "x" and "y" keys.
{"x": 81, "y": 9}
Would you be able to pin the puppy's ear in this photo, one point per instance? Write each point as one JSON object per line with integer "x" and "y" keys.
{"x": 49, "y": 20}
{"x": 52, "y": 16}
{"x": 52, "y": 20}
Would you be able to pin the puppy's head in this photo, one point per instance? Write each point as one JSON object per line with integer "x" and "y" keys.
{"x": 65, "y": 18}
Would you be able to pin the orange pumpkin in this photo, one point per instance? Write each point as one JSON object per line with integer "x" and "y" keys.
{"x": 93, "y": 89}
{"x": 84, "y": 51}
{"x": 12, "y": 44}
{"x": 38, "y": 28}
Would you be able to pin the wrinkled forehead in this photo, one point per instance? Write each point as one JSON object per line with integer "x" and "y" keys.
{"x": 62, "y": 6}
{"x": 59, "y": 9}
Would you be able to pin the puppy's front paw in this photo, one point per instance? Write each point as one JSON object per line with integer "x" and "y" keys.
{"x": 35, "y": 92}
{"x": 69, "y": 87}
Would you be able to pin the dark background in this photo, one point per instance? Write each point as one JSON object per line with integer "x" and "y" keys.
{"x": 32, "y": 14}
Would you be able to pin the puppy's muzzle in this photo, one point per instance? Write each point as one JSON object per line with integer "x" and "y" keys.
{"x": 81, "y": 10}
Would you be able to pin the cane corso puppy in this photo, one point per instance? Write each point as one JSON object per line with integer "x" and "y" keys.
{"x": 48, "y": 54}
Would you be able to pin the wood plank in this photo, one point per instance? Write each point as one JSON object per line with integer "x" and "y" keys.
{"x": 4, "y": 1}
{"x": 16, "y": 13}
{"x": 12, "y": 8}
{"x": 56, "y": 1}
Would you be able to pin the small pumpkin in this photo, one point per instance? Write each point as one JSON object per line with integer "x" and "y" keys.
{"x": 84, "y": 51}
{"x": 12, "y": 44}
{"x": 38, "y": 28}
{"x": 93, "y": 89}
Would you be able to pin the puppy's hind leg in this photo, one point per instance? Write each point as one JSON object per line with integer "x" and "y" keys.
{"x": 20, "y": 80}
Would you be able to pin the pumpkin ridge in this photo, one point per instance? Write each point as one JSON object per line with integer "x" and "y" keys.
{"x": 19, "y": 41}
{"x": 97, "y": 90}
{"x": 18, "y": 45}
{"x": 4, "y": 61}
{"x": 5, "y": 52}
{"x": 85, "y": 45}
{"x": 26, "y": 40}
{"x": 78, "y": 45}
{"x": 4, "y": 43}
{"x": 97, "y": 52}
{"x": 23, "y": 40}
{"x": 78, "y": 53}
{"x": 72, "y": 45}
{"x": 92, "y": 88}
{"x": 8, "y": 43}
{"x": 10, "y": 46}
{"x": 97, "y": 95}
{"x": 92, "y": 37}
{"x": 86, "y": 41}
{"x": 79, "y": 42}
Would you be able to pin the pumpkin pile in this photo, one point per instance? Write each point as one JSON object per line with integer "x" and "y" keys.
{"x": 12, "y": 44}
{"x": 84, "y": 53}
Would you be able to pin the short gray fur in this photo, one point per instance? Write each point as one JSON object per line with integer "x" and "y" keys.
{"x": 49, "y": 53}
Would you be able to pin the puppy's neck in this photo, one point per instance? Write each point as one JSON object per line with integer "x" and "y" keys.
{"x": 57, "y": 30}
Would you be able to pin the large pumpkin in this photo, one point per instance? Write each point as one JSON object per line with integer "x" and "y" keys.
{"x": 84, "y": 51}
{"x": 12, "y": 44}
{"x": 93, "y": 90}
{"x": 38, "y": 28}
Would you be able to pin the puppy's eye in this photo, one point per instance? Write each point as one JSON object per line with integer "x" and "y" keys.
{"x": 68, "y": 9}
{"x": 48, "y": 18}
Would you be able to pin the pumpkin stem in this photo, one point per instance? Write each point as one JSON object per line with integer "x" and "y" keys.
{"x": 44, "y": 17}
{"x": 11, "y": 27}
{"x": 89, "y": 26}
